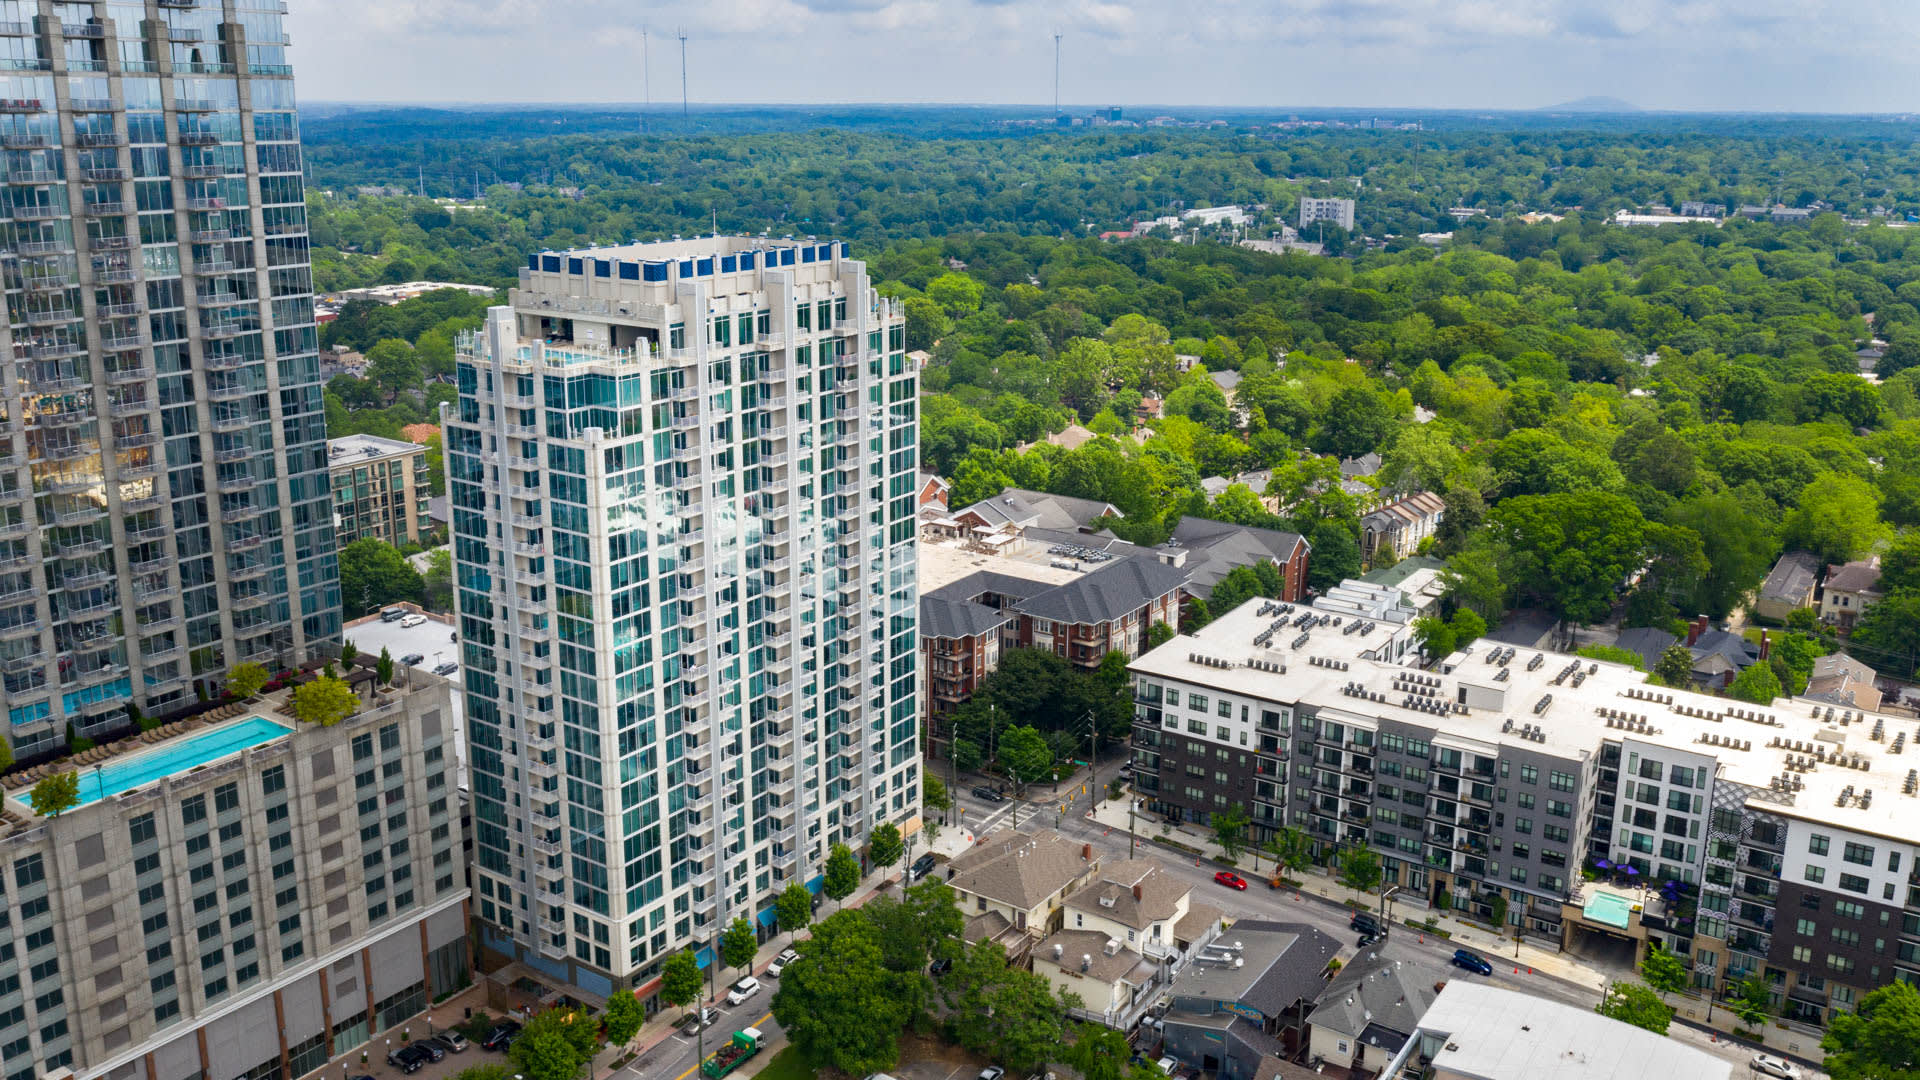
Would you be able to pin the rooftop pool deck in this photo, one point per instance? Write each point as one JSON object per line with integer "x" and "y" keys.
{"x": 175, "y": 756}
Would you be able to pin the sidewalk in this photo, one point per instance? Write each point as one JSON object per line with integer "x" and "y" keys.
{"x": 661, "y": 1026}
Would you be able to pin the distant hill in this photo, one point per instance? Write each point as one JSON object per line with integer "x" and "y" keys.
{"x": 1594, "y": 105}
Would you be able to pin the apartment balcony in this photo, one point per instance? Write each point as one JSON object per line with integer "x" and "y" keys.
{"x": 546, "y": 871}
{"x": 106, "y": 208}
{"x": 543, "y": 769}
{"x": 540, "y": 744}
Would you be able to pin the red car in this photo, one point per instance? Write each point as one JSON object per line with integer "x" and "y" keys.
{"x": 1231, "y": 880}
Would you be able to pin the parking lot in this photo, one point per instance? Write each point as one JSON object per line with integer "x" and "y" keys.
{"x": 432, "y": 640}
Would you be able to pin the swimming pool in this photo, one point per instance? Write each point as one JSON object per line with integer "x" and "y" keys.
{"x": 175, "y": 756}
{"x": 1609, "y": 909}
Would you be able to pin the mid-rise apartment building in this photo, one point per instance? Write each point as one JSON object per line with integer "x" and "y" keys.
{"x": 1493, "y": 783}
{"x": 1333, "y": 211}
{"x": 244, "y": 899}
{"x": 682, "y": 478}
{"x": 164, "y": 505}
{"x": 380, "y": 490}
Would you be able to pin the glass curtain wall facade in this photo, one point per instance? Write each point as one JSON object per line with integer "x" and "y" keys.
{"x": 681, "y": 481}
{"x": 164, "y": 495}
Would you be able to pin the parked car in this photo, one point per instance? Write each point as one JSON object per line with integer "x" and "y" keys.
{"x": 940, "y": 967}
{"x": 1472, "y": 961}
{"x": 921, "y": 867}
{"x": 1366, "y": 924}
{"x": 433, "y": 1050}
{"x": 987, "y": 794}
{"x": 1768, "y": 1065}
{"x": 451, "y": 1041}
{"x": 501, "y": 1036}
{"x": 787, "y": 956}
{"x": 991, "y": 1072}
{"x": 1230, "y": 879}
{"x": 413, "y": 659}
{"x": 407, "y": 1059}
{"x": 393, "y": 614}
{"x": 446, "y": 669}
{"x": 694, "y": 1023}
{"x": 413, "y": 620}
{"x": 743, "y": 990}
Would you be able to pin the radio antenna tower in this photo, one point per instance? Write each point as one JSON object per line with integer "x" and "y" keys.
{"x": 646, "y": 80}
{"x": 1056, "y": 74}
{"x": 683, "y": 73}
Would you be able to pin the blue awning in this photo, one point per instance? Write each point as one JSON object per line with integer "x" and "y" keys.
{"x": 703, "y": 956}
{"x": 769, "y": 917}
{"x": 817, "y": 884}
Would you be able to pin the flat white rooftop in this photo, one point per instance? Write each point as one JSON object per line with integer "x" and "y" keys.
{"x": 1811, "y": 760}
{"x": 1494, "y": 1034}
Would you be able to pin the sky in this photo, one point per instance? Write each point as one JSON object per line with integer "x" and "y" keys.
{"x": 1759, "y": 55}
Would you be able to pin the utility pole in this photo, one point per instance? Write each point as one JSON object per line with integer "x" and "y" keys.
{"x": 1093, "y": 760}
{"x": 684, "y": 114}
{"x": 1133, "y": 801}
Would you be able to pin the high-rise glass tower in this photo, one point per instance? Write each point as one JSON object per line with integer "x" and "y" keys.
{"x": 164, "y": 504}
{"x": 682, "y": 484}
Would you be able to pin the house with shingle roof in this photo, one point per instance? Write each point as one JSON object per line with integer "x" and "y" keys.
{"x": 1850, "y": 589}
{"x": 1369, "y": 1011}
{"x": 1012, "y": 885}
{"x": 1788, "y": 587}
{"x": 1839, "y": 679}
{"x": 1246, "y": 997}
{"x": 1108, "y": 610}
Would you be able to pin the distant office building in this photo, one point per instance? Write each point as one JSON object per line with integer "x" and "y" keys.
{"x": 243, "y": 900}
{"x": 1333, "y": 211}
{"x": 165, "y": 514}
{"x": 380, "y": 489}
{"x": 683, "y": 482}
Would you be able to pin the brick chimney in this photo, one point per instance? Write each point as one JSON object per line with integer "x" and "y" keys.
{"x": 1766, "y": 644}
{"x": 1695, "y": 629}
{"x": 1136, "y": 891}
{"x": 1086, "y": 852}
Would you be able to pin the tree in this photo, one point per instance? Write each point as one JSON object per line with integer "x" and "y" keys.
{"x": 1359, "y": 868}
{"x": 842, "y": 872}
{"x": 1888, "y": 633}
{"x": 348, "y": 650}
{"x": 437, "y": 583}
{"x": 1751, "y": 1001}
{"x": 1291, "y": 849}
{"x": 1837, "y": 518}
{"x": 841, "y": 1006}
{"x": 1003, "y": 1011}
{"x": 55, "y": 793}
{"x": 934, "y": 794}
{"x": 324, "y": 701}
{"x": 924, "y": 924}
{"x": 554, "y": 1044}
{"x": 1664, "y": 971}
{"x": 1230, "y": 830}
{"x": 6, "y": 754}
{"x": 1635, "y": 1004}
{"x": 1099, "y": 1052}
{"x": 793, "y": 906}
{"x": 967, "y": 755}
{"x": 1757, "y": 684}
{"x": 383, "y": 668}
{"x": 680, "y": 979}
{"x": 1357, "y": 420}
{"x": 1613, "y": 654}
{"x": 623, "y": 1017}
{"x": 245, "y": 680}
{"x": 374, "y": 574}
{"x": 1675, "y": 667}
{"x": 1880, "y": 1040}
{"x": 884, "y": 846}
{"x": 394, "y": 367}
{"x": 1571, "y": 551}
{"x": 1159, "y": 634}
{"x": 1026, "y": 756}
{"x": 738, "y": 944}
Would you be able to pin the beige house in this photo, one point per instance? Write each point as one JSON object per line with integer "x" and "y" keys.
{"x": 1850, "y": 590}
{"x": 1138, "y": 903}
{"x": 1012, "y": 886}
{"x": 1114, "y": 982}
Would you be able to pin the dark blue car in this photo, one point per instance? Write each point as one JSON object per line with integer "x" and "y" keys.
{"x": 1472, "y": 961}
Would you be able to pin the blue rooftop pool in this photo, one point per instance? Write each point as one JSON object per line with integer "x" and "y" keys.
{"x": 175, "y": 756}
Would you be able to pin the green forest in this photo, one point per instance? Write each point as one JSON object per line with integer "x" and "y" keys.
{"x": 1668, "y": 408}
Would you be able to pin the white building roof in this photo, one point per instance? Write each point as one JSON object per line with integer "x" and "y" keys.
{"x": 1498, "y": 1034}
{"x": 1808, "y": 760}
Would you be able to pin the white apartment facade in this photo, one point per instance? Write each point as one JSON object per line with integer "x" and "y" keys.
{"x": 682, "y": 482}
{"x": 1333, "y": 211}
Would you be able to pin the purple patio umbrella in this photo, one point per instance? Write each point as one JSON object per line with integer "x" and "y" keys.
{"x": 1603, "y": 864}
{"x": 1631, "y": 871}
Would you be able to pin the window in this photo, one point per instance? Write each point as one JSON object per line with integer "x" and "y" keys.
{"x": 1197, "y": 702}
{"x": 193, "y": 810}
{"x": 1560, "y": 781}
{"x": 1817, "y": 844}
{"x": 140, "y": 829}
{"x": 1816, "y": 874}
{"x": 1858, "y": 854}
{"x": 1853, "y": 883}
{"x": 1529, "y": 774}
